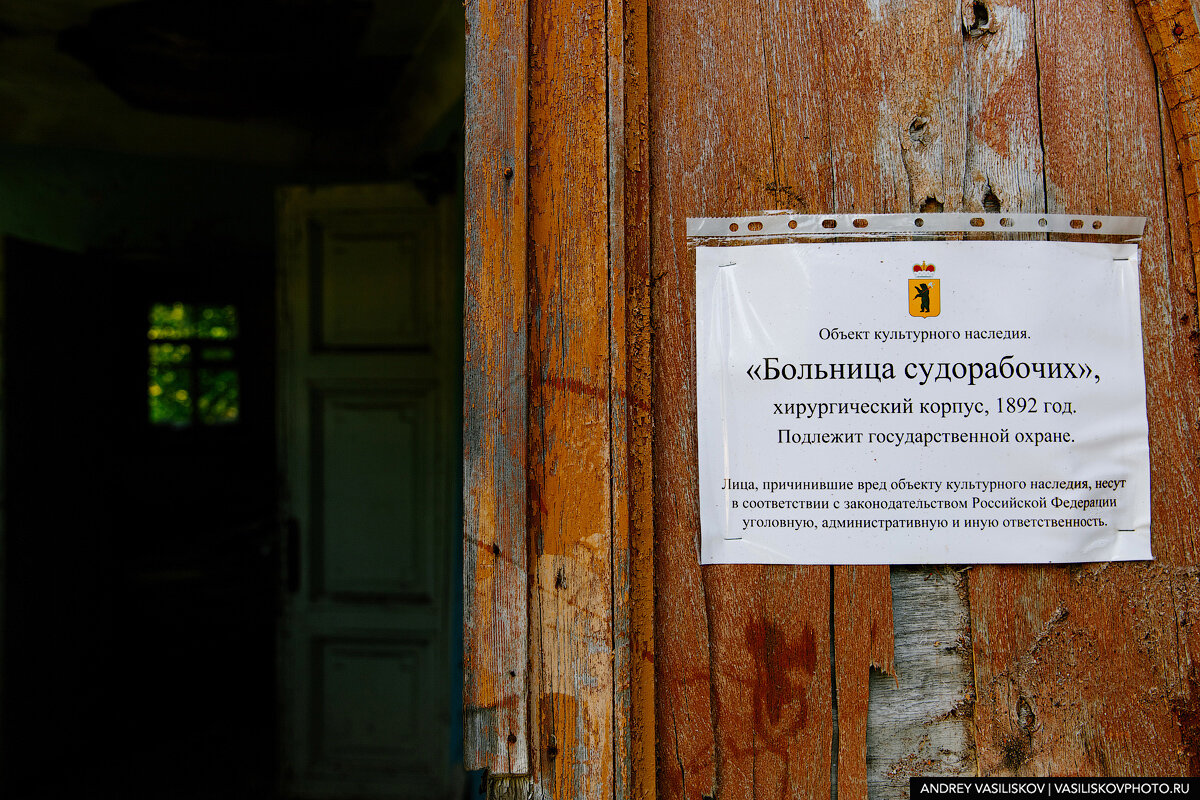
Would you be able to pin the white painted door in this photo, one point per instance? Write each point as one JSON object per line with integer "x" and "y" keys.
{"x": 368, "y": 392}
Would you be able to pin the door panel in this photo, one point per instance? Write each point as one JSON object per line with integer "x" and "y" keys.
{"x": 369, "y": 402}
{"x": 371, "y": 457}
{"x": 370, "y": 283}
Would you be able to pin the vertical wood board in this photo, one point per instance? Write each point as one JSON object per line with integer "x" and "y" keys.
{"x": 632, "y": 434}
{"x": 570, "y": 407}
{"x": 495, "y": 615}
{"x": 1078, "y": 668}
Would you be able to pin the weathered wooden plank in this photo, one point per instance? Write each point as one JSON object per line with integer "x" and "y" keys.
{"x": 873, "y": 168}
{"x": 1004, "y": 148}
{"x": 633, "y": 500}
{"x": 920, "y": 720}
{"x": 772, "y": 688}
{"x": 1078, "y": 668}
{"x": 1172, "y": 30}
{"x": 742, "y": 653}
{"x": 897, "y": 123}
{"x": 798, "y": 57}
{"x": 922, "y": 723}
{"x": 620, "y": 419}
{"x": 496, "y": 632}
{"x": 697, "y": 168}
{"x": 1175, "y": 337}
{"x": 862, "y": 640}
{"x": 510, "y": 787}
{"x": 897, "y": 133}
{"x": 570, "y": 445}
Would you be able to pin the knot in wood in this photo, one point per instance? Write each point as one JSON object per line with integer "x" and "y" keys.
{"x": 1025, "y": 716}
{"x": 980, "y": 21}
{"x": 917, "y": 128}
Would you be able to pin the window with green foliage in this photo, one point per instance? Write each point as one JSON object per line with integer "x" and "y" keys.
{"x": 193, "y": 376}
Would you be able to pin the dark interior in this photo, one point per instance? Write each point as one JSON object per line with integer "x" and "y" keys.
{"x": 142, "y": 561}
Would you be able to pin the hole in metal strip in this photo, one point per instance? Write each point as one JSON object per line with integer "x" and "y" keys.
{"x": 829, "y": 223}
{"x": 1005, "y": 222}
{"x": 792, "y": 224}
{"x": 1097, "y": 225}
{"x": 1076, "y": 223}
{"x": 976, "y": 222}
{"x": 755, "y": 226}
{"x": 1042, "y": 222}
{"x": 920, "y": 223}
{"x": 860, "y": 223}
{"x": 733, "y": 226}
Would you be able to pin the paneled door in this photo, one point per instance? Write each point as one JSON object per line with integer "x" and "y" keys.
{"x": 369, "y": 398}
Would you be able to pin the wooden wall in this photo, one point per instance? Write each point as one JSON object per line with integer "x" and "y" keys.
{"x": 602, "y": 660}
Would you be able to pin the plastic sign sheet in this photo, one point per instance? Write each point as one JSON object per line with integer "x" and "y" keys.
{"x": 921, "y": 402}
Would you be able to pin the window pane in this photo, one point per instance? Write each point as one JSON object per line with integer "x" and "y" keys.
{"x": 216, "y": 354}
{"x": 170, "y": 401}
{"x": 218, "y": 400}
{"x": 172, "y": 321}
{"x": 162, "y": 354}
{"x": 217, "y": 322}
{"x": 176, "y": 359}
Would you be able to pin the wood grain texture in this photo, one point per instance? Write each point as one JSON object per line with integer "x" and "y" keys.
{"x": 1176, "y": 416}
{"x": 919, "y": 722}
{"x": 619, "y": 417}
{"x": 570, "y": 394}
{"x": 898, "y": 131}
{"x": 769, "y": 126}
{"x": 1003, "y": 145}
{"x": 696, "y": 167}
{"x": 496, "y": 615}
{"x": 862, "y": 641}
{"x": 741, "y": 653}
{"x": 771, "y": 682}
{"x": 840, "y": 105}
{"x": 1081, "y": 670}
{"x": 633, "y": 500}
{"x": 1173, "y": 33}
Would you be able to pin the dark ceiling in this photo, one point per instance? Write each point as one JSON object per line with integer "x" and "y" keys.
{"x": 243, "y": 80}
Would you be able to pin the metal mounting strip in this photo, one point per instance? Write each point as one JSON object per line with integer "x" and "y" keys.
{"x": 781, "y": 223}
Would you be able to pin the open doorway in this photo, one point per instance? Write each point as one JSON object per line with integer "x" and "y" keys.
{"x": 145, "y": 531}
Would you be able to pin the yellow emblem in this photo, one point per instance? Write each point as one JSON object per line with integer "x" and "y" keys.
{"x": 924, "y": 294}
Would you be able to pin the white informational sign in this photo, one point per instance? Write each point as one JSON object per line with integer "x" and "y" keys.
{"x": 921, "y": 402}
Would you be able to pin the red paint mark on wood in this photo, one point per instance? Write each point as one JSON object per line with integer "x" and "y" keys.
{"x": 779, "y": 664}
